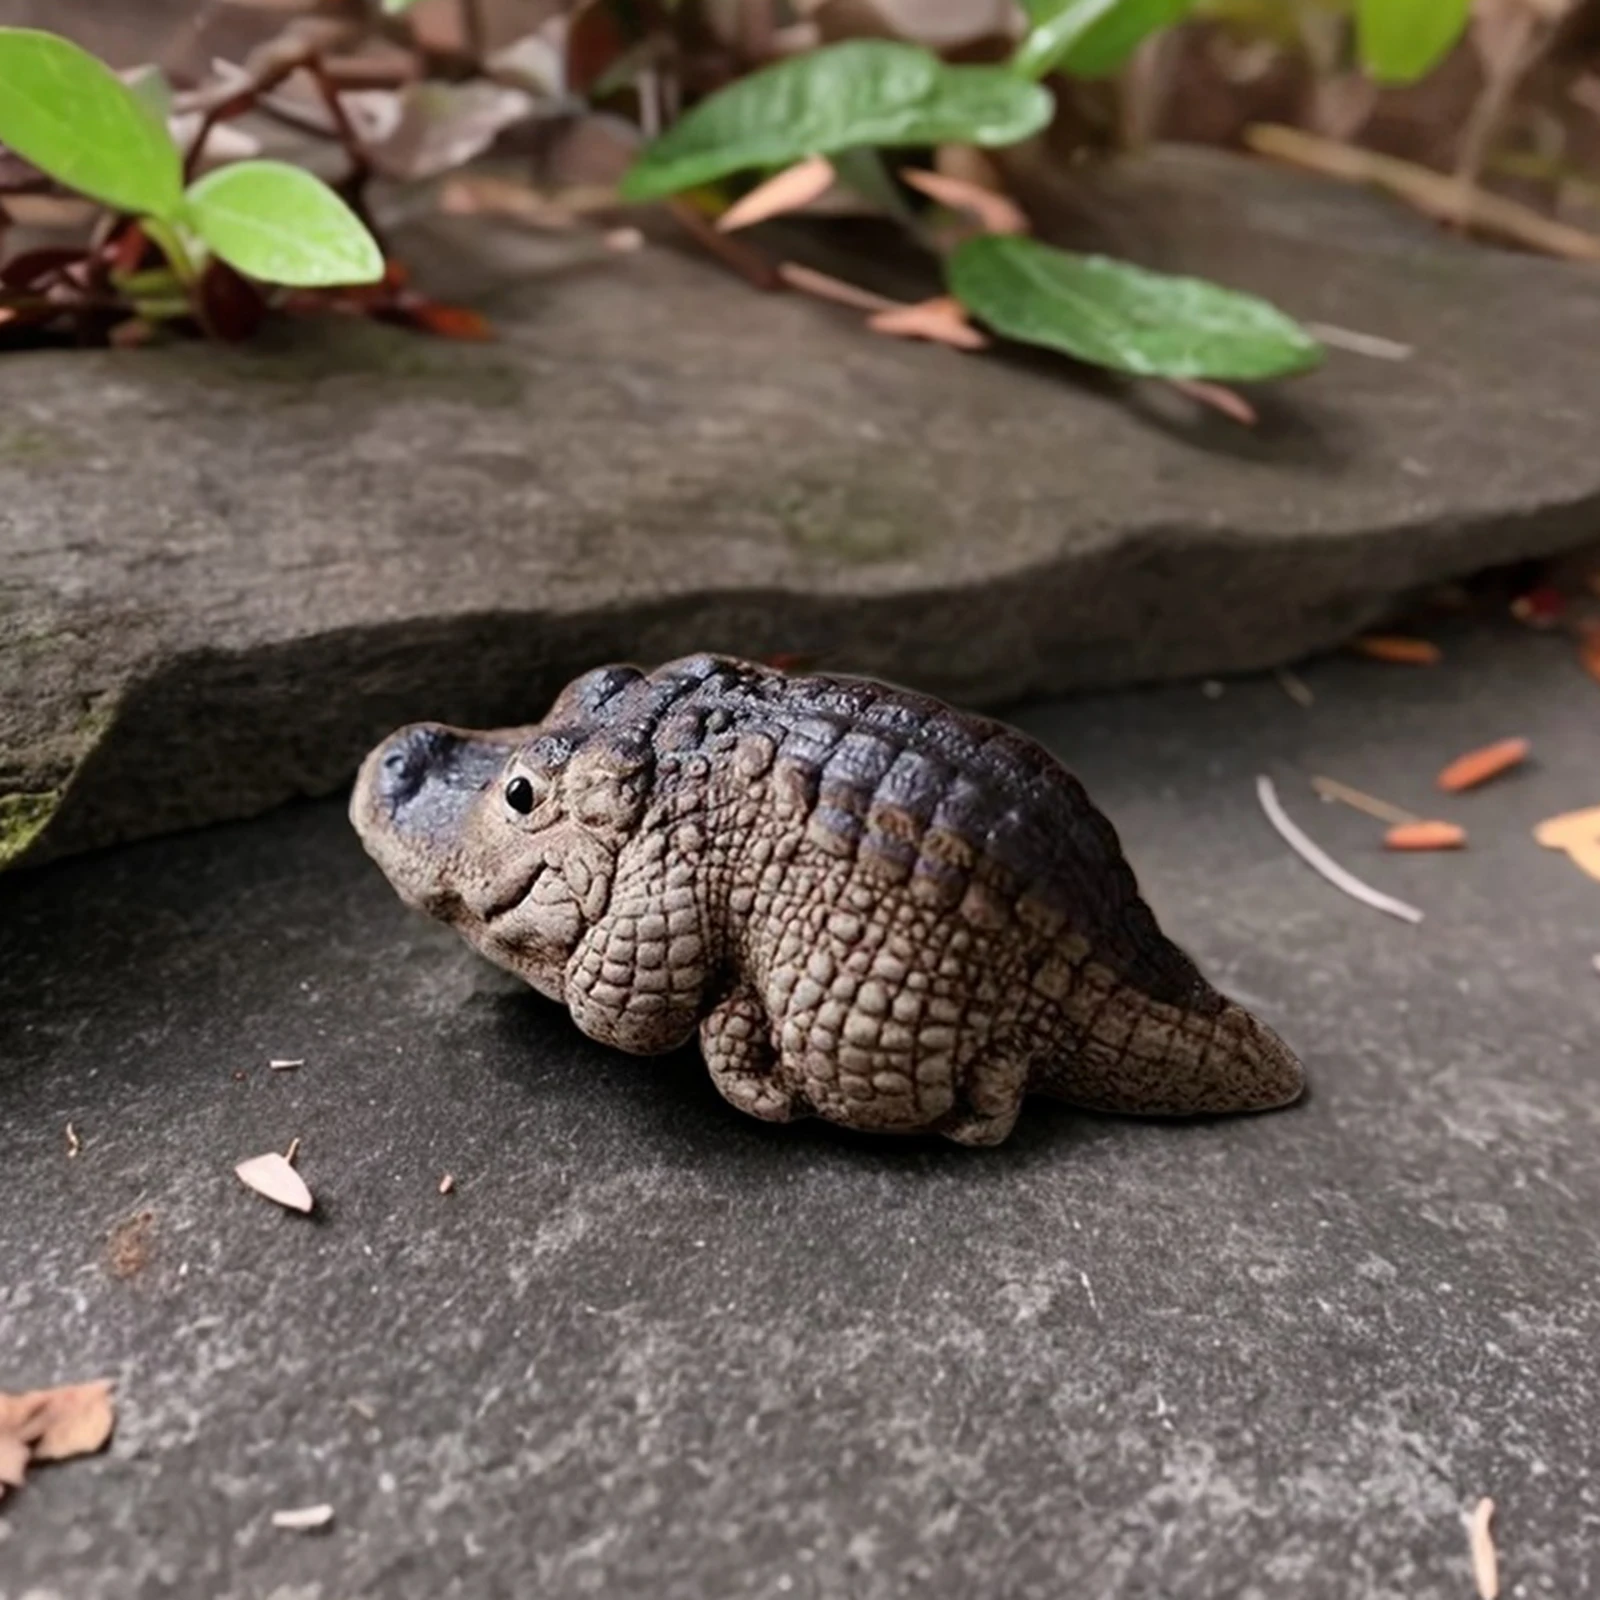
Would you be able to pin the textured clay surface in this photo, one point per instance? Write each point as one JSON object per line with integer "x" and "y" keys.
{"x": 870, "y": 906}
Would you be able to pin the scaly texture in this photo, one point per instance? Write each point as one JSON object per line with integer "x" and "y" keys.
{"x": 871, "y": 907}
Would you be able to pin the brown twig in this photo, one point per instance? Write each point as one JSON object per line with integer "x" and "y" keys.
{"x": 743, "y": 257}
{"x": 1432, "y": 193}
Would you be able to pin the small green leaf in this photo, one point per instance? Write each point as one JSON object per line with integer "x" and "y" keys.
{"x": 280, "y": 224}
{"x": 1124, "y": 317}
{"x": 1403, "y": 40}
{"x": 74, "y": 119}
{"x": 1089, "y": 38}
{"x": 844, "y": 96}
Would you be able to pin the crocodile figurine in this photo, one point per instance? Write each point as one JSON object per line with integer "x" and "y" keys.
{"x": 869, "y": 907}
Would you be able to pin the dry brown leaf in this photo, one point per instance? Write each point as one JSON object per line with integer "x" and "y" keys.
{"x": 1393, "y": 648}
{"x": 13, "y": 1462}
{"x": 271, "y": 1175}
{"x": 941, "y": 320}
{"x": 1589, "y": 651}
{"x": 1425, "y": 836}
{"x": 1485, "y": 1563}
{"x": 1578, "y": 834}
{"x": 996, "y": 213}
{"x": 52, "y": 1425}
{"x": 1479, "y": 766}
{"x": 789, "y": 190}
{"x": 809, "y": 281}
{"x": 128, "y": 1247}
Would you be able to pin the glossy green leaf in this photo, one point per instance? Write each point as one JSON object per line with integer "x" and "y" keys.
{"x": 1400, "y": 41}
{"x": 279, "y": 224}
{"x": 1124, "y": 317}
{"x": 76, "y": 120}
{"x": 845, "y": 96}
{"x": 1090, "y": 38}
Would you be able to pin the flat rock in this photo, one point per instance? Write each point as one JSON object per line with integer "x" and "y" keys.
{"x": 651, "y": 1349}
{"x": 224, "y": 574}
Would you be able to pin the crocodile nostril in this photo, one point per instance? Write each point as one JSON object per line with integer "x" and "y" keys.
{"x": 404, "y": 767}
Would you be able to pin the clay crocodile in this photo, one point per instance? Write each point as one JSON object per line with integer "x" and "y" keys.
{"x": 868, "y": 907}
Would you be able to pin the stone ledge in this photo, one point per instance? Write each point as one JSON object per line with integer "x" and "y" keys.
{"x": 225, "y": 574}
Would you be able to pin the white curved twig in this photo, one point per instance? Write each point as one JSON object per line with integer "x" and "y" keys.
{"x": 1320, "y": 861}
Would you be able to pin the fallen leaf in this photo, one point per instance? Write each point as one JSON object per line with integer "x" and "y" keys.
{"x": 1404, "y": 652}
{"x": 995, "y": 213}
{"x": 1425, "y": 836}
{"x": 447, "y": 322}
{"x": 304, "y": 1519}
{"x": 940, "y": 320}
{"x": 128, "y": 1246}
{"x": 1589, "y": 651}
{"x": 1578, "y": 834}
{"x": 1479, "y": 766}
{"x": 272, "y": 1176}
{"x": 52, "y": 1425}
{"x": 13, "y": 1462}
{"x": 446, "y": 1184}
{"x": 1485, "y": 1563}
{"x": 790, "y": 190}
{"x": 1539, "y": 608}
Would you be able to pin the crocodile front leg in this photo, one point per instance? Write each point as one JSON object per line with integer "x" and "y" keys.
{"x": 736, "y": 1040}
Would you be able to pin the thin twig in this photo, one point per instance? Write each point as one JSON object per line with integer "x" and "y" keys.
{"x": 1360, "y": 344}
{"x": 744, "y": 258}
{"x": 1432, "y": 193}
{"x": 1296, "y": 688}
{"x": 1332, "y": 789}
{"x": 1321, "y": 862}
{"x": 826, "y": 287}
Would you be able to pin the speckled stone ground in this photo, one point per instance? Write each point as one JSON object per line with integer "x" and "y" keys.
{"x": 647, "y": 1348}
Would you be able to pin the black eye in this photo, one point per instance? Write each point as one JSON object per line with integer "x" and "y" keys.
{"x": 519, "y": 795}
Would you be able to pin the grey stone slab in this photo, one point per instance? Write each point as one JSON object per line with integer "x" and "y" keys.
{"x": 224, "y": 575}
{"x": 649, "y": 1348}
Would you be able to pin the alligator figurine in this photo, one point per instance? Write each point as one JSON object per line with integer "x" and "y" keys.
{"x": 869, "y": 907}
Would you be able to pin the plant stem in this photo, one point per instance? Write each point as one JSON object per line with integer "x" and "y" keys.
{"x": 169, "y": 242}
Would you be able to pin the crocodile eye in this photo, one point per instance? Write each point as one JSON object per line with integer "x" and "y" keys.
{"x": 519, "y": 794}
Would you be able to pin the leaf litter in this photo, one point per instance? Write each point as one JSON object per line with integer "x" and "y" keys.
{"x": 272, "y": 1176}
{"x": 52, "y": 1425}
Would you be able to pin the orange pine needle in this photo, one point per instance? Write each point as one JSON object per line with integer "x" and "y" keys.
{"x": 1425, "y": 836}
{"x": 1402, "y": 651}
{"x": 1479, "y": 766}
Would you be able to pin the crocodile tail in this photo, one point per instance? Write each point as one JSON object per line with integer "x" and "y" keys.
{"x": 1121, "y": 1050}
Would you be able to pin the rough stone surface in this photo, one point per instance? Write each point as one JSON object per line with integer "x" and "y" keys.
{"x": 649, "y": 1347}
{"x": 223, "y": 576}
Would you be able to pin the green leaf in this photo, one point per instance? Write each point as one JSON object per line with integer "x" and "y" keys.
{"x": 842, "y": 97}
{"x": 1402, "y": 40}
{"x": 1089, "y": 38}
{"x": 279, "y": 224}
{"x": 77, "y": 121}
{"x": 1124, "y": 317}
